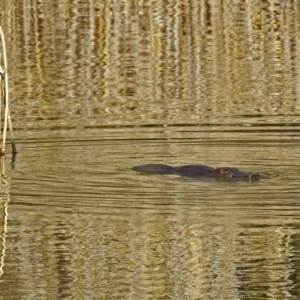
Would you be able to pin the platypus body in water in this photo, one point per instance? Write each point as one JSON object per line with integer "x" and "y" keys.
{"x": 195, "y": 171}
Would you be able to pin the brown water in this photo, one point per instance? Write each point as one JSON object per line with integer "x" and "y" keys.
{"x": 97, "y": 87}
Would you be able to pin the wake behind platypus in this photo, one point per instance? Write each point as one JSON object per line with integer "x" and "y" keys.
{"x": 196, "y": 171}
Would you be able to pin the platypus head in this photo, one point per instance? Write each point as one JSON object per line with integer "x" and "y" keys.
{"x": 234, "y": 173}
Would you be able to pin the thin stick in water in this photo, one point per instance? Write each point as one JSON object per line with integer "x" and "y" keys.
{"x": 7, "y": 118}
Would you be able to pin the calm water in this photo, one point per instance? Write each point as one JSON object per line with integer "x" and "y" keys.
{"x": 97, "y": 87}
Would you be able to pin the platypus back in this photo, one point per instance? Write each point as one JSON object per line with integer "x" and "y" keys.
{"x": 154, "y": 169}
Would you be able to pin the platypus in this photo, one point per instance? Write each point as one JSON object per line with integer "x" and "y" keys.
{"x": 195, "y": 171}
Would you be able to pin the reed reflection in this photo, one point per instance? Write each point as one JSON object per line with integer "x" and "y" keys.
{"x": 155, "y": 60}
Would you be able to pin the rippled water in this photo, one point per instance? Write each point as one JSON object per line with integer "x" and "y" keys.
{"x": 99, "y": 87}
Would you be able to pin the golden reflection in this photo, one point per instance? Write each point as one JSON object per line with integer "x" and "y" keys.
{"x": 4, "y": 201}
{"x": 169, "y": 61}
{"x": 156, "y": 62}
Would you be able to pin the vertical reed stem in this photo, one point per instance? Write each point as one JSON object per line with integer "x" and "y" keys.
{"x": 7, "y": 118}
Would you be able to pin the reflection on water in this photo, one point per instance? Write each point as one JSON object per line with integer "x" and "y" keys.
{"x": 100, "y": 86}
{"x": 153, "y": 62}
{"x": 82, "y": 221}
